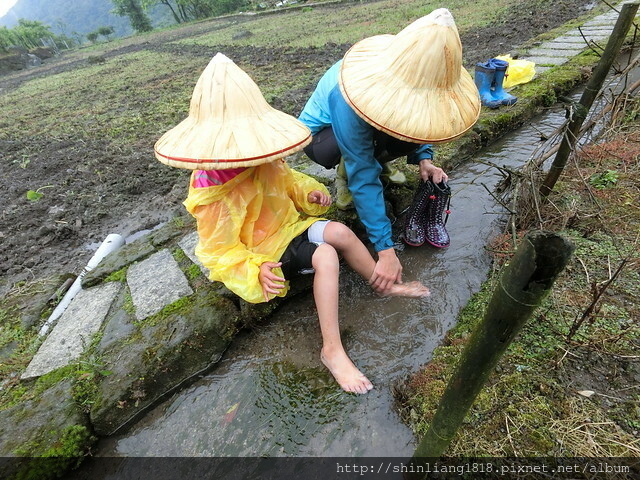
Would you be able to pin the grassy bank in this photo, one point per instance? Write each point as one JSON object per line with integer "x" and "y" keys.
{"x": 569, "y": 386}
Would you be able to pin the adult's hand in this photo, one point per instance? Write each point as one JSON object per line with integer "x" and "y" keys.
{"x": 387, "y": 272}
{"x": 271, "y": 283}
{"x": 429, "y": 171}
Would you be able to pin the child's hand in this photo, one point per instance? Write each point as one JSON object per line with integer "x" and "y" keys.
{"x": 316, "y": 196}
{"x": 271, "y": 283}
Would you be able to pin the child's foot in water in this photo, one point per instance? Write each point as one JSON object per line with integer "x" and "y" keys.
{"x": 410, "y": 289}
{"x": 345, "y": 372}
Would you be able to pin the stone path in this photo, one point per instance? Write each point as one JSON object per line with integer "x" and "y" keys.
{"x": 563, "y": 48}
{"x": 157, "y": 281}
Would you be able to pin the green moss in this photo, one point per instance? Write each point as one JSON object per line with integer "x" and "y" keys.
{"x": 54, "y": 460}
{"x": 179, "y": 255}
{"x": 118, "y": 276}
{"x": 127, "y": 305}
{"x": 179, "y": 306}
{"x": 179, "y": 221}
{"x": 12, "y": 396}
{"x": 193, "y": 272}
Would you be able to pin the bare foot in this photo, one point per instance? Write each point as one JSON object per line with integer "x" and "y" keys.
{"x": 345, "y": 372}
{"x": 409, "y": 289}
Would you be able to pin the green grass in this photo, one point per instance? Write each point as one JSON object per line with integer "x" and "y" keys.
{"x": 315, "y": 27}
{"x": 126, "y": 98}
{"x": 532, "y": 405}
{"x": 526, "y": 409}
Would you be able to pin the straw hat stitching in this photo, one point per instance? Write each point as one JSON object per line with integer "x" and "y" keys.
{"x": 230, "y": 124}
{"x": 377, "y": 71}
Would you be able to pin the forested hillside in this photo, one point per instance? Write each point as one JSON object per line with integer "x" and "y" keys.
{"x": 70, "y": 17}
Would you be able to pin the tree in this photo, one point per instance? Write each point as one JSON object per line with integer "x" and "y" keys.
{"x": 31, "y": 34}
{"x": 188, "y": 10}
{"x": 105, "y": 31}
{"x": 102, "y": 31}
{"x": 134, "y": 10}
{"x": 177, "y": 16}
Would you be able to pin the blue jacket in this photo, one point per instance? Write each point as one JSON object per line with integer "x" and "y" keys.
{"x": 355, "y": 137}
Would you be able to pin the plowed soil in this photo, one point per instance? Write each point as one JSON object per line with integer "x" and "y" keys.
{"x": 134, "y": 192}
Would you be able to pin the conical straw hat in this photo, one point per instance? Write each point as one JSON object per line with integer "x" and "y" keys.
{"x": 412, "y": 85}
{"x": 230, "y": 125}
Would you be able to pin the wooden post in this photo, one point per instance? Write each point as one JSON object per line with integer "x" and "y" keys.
{"x": 581, "y": 109}
{"x": 522, "y": 286}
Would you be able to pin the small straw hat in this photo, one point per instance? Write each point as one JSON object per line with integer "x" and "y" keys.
{"x": 230, "y": 124}
{"x": 412, "y": 85}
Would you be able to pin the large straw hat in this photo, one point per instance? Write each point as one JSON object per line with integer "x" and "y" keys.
{"x": 412, "y": 85}
{"x": 230, "y": 125}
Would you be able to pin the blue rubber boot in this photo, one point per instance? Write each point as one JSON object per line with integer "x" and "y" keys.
{"x": 498, "y": 91}
{"x": 484, "y": 76}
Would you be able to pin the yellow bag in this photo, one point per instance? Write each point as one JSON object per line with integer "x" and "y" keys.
{"x": 519, "y": 71}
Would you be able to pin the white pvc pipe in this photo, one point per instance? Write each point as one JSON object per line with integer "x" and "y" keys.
{"x": 111, "y": 243}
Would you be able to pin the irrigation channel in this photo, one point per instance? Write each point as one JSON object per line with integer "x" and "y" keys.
{"x": 271, "y": 397}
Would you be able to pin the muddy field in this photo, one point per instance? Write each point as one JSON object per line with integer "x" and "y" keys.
{"x": 134, "y": 192}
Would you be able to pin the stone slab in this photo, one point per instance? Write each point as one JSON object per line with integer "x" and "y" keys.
{"x": 74, "y": 330}
{"x": 540, "y": 69}
{"x": 155, "y": 283}
{"x": 188, "y": 246}
{"x": 541, "y": 52}
{"x": 598, "y": 25}
{"x": 548, "y": 60}
{"x": 567, "y": 48}
{"x": 572, "y": 40}
{"x": 596, "y": 30}
{"x": 597, "y": 38}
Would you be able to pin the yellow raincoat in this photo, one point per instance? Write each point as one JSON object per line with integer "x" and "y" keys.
{"x": 249, "y": 220}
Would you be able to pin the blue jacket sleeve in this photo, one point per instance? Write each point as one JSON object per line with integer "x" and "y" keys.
{"x": 355, "y": 140}
{"x": 422, "y": 152}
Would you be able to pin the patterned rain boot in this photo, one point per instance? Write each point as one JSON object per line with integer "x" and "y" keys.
{"x": 414, "y": 224}
{"x": 392, "y": 175}
{"x": 435, "y": 232}
{"x": 484, "y": 77}
{"x": 344, "y": 199}
{"x": 498, "y": 91}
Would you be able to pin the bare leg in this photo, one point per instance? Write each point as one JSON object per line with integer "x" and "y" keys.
{"x": 358, "y": 257}
{"x": 325, "y": 290}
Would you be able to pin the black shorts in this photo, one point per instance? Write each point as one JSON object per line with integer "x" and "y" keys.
{"x": 324, "y": 149}
{"x": 296, "y": 259}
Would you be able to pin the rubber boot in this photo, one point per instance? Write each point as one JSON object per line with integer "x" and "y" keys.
{"x": 484, "y": 76}
{"x": 498, "y": 91}
{"x": 343, "y": 196}
{"x": 414, "y": 224}
{"x": 391, "y": 174}
{"x": 435, "y": 232}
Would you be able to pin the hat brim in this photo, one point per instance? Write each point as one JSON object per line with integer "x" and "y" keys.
{"x": 183, "y": 146}
{"x": 230, "y": 125}
{"x": 388, "y": 103}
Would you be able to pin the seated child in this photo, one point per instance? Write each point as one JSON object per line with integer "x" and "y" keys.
{"x": 257, "y": 219}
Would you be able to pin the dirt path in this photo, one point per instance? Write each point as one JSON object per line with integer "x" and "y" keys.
{"x": 133, "y": 193}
